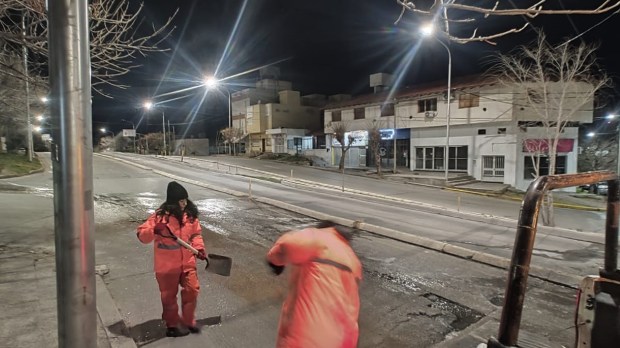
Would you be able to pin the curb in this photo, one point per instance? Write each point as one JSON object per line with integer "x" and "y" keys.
{"x": 109, "y": 316}
{"x": 560, "y": 278}
{"x": 558, "y": 205}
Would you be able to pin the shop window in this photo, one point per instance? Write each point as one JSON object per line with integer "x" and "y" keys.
{"x": 482, "y": 131}
{"x": 543, "y": 163}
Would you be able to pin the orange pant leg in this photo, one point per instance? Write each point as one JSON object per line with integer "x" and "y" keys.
{"x": 189, "y": 296}
{"x": 169, "y": 287}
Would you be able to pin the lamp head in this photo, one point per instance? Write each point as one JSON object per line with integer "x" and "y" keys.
{"x": 427, "y": 29}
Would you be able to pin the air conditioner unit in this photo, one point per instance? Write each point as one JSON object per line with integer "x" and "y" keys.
{"x": 430, "y": 114}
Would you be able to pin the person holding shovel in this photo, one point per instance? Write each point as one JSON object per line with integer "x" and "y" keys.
{"x": 322, "y": 306}
{"x": 175, "y": 222}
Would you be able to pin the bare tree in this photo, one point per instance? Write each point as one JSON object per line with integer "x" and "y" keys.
{"x": 231, "y": 136}
{"x": 597, "y": 154}
{"x": 470, "y": 13}
{"x": 374, "y": 143}
{"x": 13, "y": 116}
{"x": 555, "y": 85}
{"x": 340, "y": 129}
{"x": 116, "y": 38}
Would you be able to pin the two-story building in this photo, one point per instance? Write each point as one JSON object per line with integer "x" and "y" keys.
{"x": 493, "y": 134}
{"x": 275, "y": 118}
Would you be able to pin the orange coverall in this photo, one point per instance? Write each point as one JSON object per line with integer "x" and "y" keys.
{"x": 175, "y": 265}
{"x": 322, "y": 306}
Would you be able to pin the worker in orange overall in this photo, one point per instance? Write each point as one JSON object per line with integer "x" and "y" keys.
{"x": 322, "y": 306}
{"x": 174, "y": 265}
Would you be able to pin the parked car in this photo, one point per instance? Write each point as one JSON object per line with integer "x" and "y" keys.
{"x": 600, "y": 188}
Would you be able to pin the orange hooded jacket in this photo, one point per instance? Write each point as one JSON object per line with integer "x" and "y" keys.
{"x": 170, "y": 257}
{"x": 322, "y": 306}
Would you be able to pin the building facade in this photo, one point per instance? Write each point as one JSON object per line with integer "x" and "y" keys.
{"x": 494, "y": 135}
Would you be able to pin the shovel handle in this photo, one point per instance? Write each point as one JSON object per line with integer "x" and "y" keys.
{"x": 187, "y": 246}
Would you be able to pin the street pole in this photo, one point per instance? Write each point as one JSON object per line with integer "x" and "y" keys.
{"x": 72, "y": 151}
{"x": 163, "y": 126}
{"x": 447, "y": 150}
{"x": 25, "y": 55}
{"x": 447, "y": 155}
{"x": 394, "y": 143}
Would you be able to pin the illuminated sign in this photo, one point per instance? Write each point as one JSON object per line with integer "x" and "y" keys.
{"x": 387, "y": 134}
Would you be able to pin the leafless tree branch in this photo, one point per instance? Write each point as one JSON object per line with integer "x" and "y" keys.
{"x": 116, "y": 36}
{"x": 470, "y": 9}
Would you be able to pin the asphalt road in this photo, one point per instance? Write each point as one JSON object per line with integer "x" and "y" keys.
{"x": 411, "y": 296}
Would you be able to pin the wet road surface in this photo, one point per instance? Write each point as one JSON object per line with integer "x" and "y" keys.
{"x": 411, "y": 297}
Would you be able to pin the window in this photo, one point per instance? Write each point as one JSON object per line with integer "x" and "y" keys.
{"x": 468, "y": 100}
{"x": 493, "y": 166}
{"x": 482, "y": 131}
{"x": 359, "y": 113}
{"x": 432, "y": 157}
{"x": 427, "y": 105}
{"x": 501, "y": 130}
{"x": 387, "y": 109}
{"x": 457, "y": 159}
{"x": 336, "y": 116}
{"x": 543, "y": 161}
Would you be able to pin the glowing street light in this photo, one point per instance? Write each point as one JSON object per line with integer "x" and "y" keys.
{"x": 427, "y": 30}
{"x": 212, "y": 83}
{"x": 44, "y": 99}
{"x": 591, "y": 134}
{"x": 148, "y": 105}
{"x": 38, "y": 129}
{"x": 40, "y": 118}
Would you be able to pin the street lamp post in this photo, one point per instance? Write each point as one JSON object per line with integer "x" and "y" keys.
{"x": 149, "y": 105}
{"x": 213, "y": 83}
{"x": 428, "y": 31}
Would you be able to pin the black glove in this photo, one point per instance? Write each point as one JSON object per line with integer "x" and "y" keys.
{"x": 201, "y": 254}
{"x": 277, "y": 270}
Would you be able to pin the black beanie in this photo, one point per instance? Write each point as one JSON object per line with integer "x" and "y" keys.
{"x": 175, "y": 193}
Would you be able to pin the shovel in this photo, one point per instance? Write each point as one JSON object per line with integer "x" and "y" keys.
{"x": 217, "y": 264}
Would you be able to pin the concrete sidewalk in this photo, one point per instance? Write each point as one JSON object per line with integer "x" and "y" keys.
{"x": 28, "y": 309}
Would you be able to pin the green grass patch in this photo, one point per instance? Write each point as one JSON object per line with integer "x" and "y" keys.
{"x": 16, "y": 164}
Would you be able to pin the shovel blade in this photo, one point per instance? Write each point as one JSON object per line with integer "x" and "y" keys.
{"x": 219, "y": 264}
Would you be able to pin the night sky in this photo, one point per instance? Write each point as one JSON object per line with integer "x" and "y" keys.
{"x": 322, "y": 46}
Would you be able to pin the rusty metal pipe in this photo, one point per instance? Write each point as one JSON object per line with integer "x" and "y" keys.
{"x": 526, "y": 233}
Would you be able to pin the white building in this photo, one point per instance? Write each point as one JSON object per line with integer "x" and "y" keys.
{"x": 494, "y": 135}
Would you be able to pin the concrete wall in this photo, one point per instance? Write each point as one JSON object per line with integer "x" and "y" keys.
{"x": 193, "y": 147}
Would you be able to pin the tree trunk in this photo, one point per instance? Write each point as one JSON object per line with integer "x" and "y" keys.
{"x": 344, "y": 153}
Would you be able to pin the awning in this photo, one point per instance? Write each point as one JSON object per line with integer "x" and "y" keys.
{"x": 542, "y": 145}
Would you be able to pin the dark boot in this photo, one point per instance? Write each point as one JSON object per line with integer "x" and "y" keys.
{"x": 194, "y": 329}
{"x": 175, "y": 332}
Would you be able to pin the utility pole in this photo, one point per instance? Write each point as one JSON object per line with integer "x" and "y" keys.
{"x": 394, "y": 143}
{"x": 72, "y": 152}
{"x": 163, "y": 126}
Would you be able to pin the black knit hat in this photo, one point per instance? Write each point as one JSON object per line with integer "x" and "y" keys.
{"x": 175, "y": 193}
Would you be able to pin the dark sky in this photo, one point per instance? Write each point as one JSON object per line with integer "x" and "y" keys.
{"x": 328, "y": 47}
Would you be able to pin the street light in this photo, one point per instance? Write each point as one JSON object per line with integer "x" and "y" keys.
{"x": 148, "y": 105}
{"x": 426, "y": 31}
{"x": 104, "y": 131}
{"x": 213, "y": 83}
